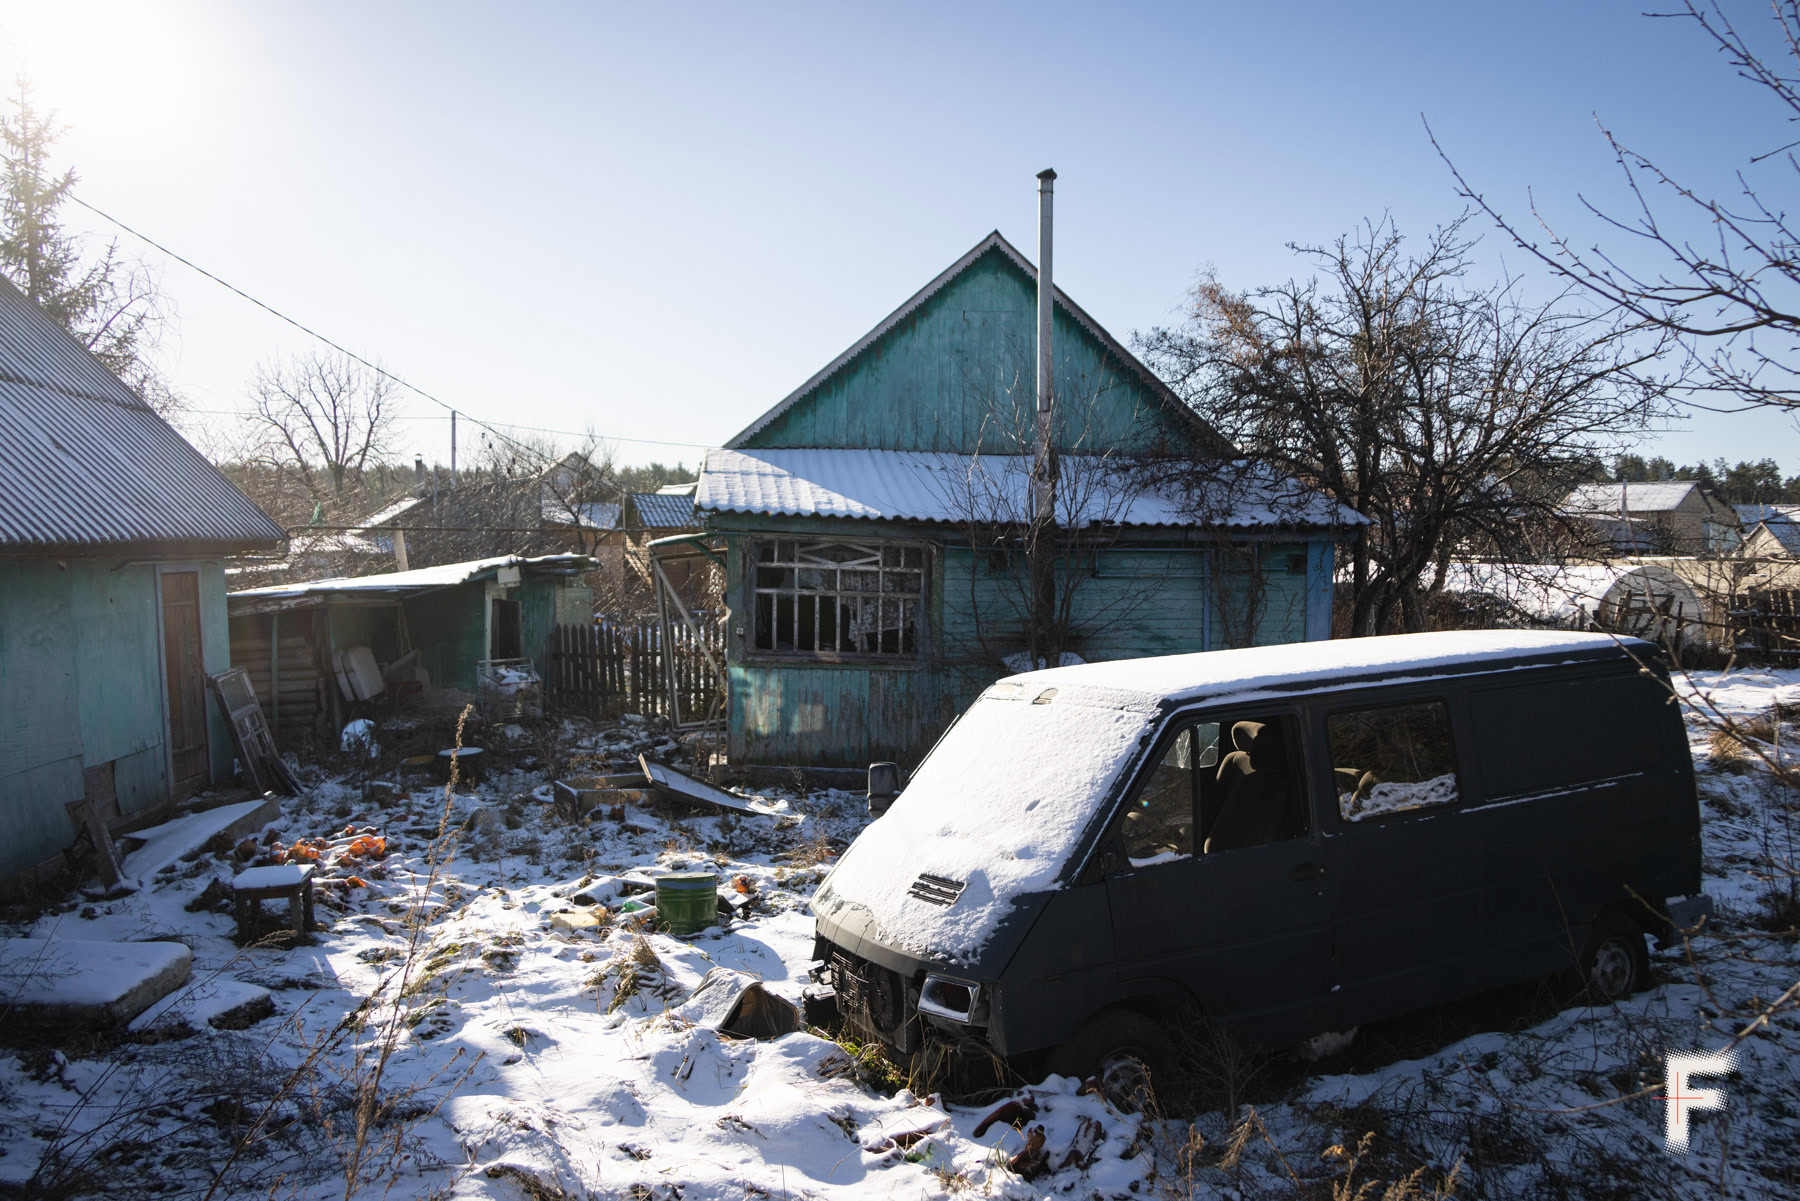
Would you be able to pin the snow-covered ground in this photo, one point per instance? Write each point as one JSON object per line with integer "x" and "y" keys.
{"x": 490, "y": 1036}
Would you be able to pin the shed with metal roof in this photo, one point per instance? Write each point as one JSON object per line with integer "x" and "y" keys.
{"x": 113, "y": 534}
{"x": 431, "y": 626}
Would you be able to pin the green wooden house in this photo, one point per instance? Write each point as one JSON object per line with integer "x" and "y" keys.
{"x": 869, "y": 523}
{"x": 113, "y": 532}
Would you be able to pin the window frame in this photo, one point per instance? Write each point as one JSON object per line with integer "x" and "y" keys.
{"x": 1450, "y": 706}
{"x": 921, "y": 601}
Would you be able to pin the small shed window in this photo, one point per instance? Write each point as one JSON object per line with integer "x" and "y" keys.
{"x": 839, "y": 598}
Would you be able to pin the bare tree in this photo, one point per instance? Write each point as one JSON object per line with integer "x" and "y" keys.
{"x": 112, "y": 304}
{"x": 1043, "y": 581}
{"x": 1720, "y": 273}
{"x": 1444, "y": 414}
{"x": 324, "y": 415}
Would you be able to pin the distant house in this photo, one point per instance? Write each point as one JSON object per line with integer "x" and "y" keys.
{"x": 1669, "y": 517}
{"x": 1770, "y": 531}
{"x": 113, "y": 532}
{"x": 435, "y": 624}
{"x": 869, "y": 525}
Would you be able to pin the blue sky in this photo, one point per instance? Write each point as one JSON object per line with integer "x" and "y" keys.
{"x": 656, "y": 220}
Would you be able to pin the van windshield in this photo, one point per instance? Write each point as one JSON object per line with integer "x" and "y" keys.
{"x": 997, "y": 807}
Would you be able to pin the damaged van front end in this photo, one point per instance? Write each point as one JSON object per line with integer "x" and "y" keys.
{"x": 922, "y": 928}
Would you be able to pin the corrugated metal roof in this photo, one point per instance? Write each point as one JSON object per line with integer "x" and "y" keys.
{"x": 1751, "y": 514}
{"x": 994, "y": 241}
{"x": 660, "y": 511}
{"x": 443, "y": 576}
{"x": 1659, "y": 497}
{"x": 84, "y": 463}
{"x": 939, "y": 487}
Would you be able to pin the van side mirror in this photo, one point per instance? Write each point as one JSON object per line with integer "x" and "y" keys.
{"x": 884, "y": 786}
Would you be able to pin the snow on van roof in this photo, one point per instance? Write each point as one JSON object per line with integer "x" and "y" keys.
{"x": 1221, "y": 673}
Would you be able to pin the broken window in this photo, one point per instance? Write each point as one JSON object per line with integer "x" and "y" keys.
{"x": 1391, "y": 759}
{"x": 839, "y": 598}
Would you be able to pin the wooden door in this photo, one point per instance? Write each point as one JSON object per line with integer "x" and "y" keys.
{"x": 185, "y": 679}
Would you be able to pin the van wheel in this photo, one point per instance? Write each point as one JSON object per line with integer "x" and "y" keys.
{"x": 1614, "y": 963}
{"x": 1124, "y": 1050}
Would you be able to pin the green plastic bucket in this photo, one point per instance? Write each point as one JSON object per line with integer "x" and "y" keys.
{"x": 687, "y": 902}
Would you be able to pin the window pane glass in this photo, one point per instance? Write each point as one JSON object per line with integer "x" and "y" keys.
{"x": 1392, "y": 759}
{"x": 1160, "y": 825}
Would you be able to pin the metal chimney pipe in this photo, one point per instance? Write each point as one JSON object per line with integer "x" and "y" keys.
{"x": 1043, "y": 468}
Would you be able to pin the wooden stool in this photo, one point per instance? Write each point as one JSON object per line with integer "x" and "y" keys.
{"x": 292, "y": 881}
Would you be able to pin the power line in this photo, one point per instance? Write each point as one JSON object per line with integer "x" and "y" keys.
{"x": 511, "y": 425}
{"x": 306, "y": 329}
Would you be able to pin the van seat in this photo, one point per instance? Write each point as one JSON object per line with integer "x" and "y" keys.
{"x": 1258, "y": 791}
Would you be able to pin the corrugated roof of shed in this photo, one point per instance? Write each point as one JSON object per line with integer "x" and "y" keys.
{"x": 662, "y": 511}
{"x": 420, "y": 579}
{"x": 85, "y": 463}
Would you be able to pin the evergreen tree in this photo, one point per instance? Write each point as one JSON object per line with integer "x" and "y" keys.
{"x": 109, "y": 304}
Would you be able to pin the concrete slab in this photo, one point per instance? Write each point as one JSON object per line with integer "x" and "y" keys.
{"x": 54, "y": 984}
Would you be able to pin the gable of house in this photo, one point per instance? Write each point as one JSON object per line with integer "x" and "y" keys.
{"x": 953, "y": 370}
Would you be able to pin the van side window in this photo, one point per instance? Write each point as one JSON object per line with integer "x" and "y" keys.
{"x": 1391, "y": 759}
{"x": 1160, "y": 824}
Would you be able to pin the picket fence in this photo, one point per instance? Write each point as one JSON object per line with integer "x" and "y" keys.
{"x": 606, "y": 670}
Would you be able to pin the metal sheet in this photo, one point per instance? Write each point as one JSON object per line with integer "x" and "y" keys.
{"x": 86, "y": 463}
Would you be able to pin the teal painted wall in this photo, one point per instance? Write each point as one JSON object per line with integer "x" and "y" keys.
{"x": 40, "y": 711}
{"x": 449, "y": 630}
{"x": 1130, "y": 602}
{"x": 81, "y": 685}
{"x": 537, "y": 618}
{"x": 1264, "y": 595}
{"x": 959, "y": 375}
{"x": 120, "y": 691}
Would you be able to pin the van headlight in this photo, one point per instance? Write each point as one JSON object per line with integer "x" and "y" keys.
{"x": 954, "y": 1000}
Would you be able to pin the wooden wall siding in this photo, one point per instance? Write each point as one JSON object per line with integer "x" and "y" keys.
{"x": 1277, "y": 594}
{"x": 40, "y": 722}
{"x": 537, "y": 620}
{"x": 81, "y": 686}
{"x": 449, "y": 629}
{"x": 833, "y": 716}
{"x": 121, "y": 692}
{"x": 937, "y": 381}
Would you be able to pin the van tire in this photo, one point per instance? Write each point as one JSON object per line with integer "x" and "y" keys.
{"x": 1614, "y": 961}
{"x": 1124, "y": 1050}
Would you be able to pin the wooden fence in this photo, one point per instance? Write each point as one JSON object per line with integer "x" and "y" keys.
{"x": 604, "y": 671}
{"x": 1768, "y": 626}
